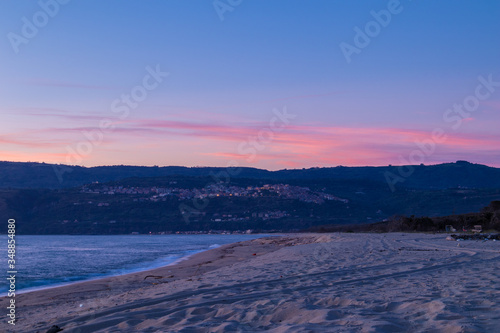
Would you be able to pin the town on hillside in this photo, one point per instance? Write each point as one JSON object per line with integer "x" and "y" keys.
{"x": 155, "y": 193}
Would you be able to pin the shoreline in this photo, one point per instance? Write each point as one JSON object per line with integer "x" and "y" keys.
{"x": 66, "y": 284}
{"x": 110, "y": 274}
{"x": 185, "y": 267}
{"x": 292, "y": 283}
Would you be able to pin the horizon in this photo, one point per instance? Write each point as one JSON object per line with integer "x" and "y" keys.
{"x": 251, "y": 167}
{"x": 273, "y": 86}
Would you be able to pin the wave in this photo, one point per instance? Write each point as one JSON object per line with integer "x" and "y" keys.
{"x": 41, "y": 284}
{"x": 73, "y": 259}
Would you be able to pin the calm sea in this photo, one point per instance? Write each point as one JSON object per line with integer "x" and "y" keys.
{"x": 47, "y": 261}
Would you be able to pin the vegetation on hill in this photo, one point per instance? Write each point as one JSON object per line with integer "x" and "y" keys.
{"x": 442, "y": 176}
{"x": 488, "y": 218}
{"x": 197, "y": 203}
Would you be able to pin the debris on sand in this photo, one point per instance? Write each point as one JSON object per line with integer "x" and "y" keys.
{"x": 476, "y": 237}
{"x": 54, "y": 329}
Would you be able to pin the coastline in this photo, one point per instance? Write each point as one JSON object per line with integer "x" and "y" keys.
{"x": 67, "y": 275}
{"x": 93, "y": 289}
{"x": 292, "y": 283}
{"x": 66, "y": 284}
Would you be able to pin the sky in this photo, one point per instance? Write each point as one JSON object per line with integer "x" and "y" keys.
{"x": 269, "y": 84}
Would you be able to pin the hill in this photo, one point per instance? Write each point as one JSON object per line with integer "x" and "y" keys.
{"x": 488, "y": 218}
{"x": 186, "y": 203}
{"x": 442, "y": 176}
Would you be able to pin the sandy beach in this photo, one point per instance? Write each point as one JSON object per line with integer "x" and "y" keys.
{"x": 295, "y": 283}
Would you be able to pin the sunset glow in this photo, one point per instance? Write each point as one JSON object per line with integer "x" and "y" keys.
{"x": 96, "y": 87}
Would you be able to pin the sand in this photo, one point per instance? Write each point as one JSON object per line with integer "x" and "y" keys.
{"x": 296, "y": 283}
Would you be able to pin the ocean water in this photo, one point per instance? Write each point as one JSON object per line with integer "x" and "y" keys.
{"x": 48, "y": 261}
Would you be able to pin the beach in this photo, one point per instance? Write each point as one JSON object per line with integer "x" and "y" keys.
{"x": 347, "y": 282}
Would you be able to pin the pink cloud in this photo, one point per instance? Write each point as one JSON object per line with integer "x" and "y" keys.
{"x": 296, "y": 145}
{"x": 32, "y": 157}
{"x": 27, "y": 143}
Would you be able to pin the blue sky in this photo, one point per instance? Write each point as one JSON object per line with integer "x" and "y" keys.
{"x": 227, "y": 76}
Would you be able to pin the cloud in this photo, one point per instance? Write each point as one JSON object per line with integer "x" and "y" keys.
{"x": 19, "y": 156}
{"x": 296, "y": 145}
{"x": 9, "y": 140}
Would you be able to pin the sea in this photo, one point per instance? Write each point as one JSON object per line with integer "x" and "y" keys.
{"x": 50, "y": 261}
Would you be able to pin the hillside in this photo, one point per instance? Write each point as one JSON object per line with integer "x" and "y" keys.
{"x": 442, "y": 176}
{"x": 488, "y": 218}
{"x": 185, "y": 203}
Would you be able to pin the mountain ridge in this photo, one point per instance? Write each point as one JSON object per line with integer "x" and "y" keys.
{"x": 439, "y": 176}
